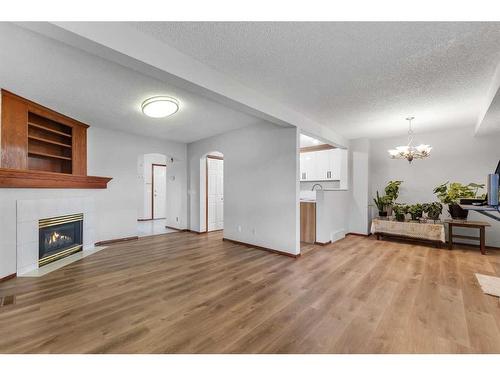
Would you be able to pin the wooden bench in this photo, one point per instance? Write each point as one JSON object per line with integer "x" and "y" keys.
{"x": 481, "y": 225}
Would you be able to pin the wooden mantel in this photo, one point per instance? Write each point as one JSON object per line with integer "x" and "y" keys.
{"x": 41, "y": 148}
{"x": 18, "y": 178}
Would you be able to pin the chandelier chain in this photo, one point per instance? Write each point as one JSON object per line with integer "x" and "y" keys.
{"x": 410, "y": 131}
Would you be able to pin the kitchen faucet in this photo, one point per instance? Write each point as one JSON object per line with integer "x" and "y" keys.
{"x": 316, "y": 185}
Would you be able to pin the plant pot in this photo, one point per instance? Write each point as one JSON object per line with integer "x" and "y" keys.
{"x": 382, "y": 214}
{"x": 433, "y": 217}
{"x": 457, "y": 212}
{"x": 400, "y": 217}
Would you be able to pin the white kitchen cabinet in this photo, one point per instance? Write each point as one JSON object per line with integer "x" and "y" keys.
{"x": 334, "y": 163}
{"x": 307, "y": 161}
{"x": 303, "y": 167}
{"x": 320, "y": 171}
{"x": 320, "y": 165}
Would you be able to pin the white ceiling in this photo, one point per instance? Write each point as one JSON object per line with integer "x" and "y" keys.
{"x": 361, "y": 79}
{"x": 102, "y": 93}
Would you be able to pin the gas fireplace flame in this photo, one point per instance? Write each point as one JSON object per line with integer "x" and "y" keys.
{"x": 57, "y": 238}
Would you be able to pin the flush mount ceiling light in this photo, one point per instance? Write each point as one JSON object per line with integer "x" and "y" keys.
{"x": 410, "y": 152}
{"x": 160, "y": 106}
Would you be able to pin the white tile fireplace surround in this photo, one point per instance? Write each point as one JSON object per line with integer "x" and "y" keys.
{"x": 28, "y": 214}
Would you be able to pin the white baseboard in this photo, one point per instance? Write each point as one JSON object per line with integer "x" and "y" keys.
{"x": 338, "y": 235}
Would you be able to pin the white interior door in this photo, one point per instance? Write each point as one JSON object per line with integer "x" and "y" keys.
{"x": 215, "y": 194}
{"x": 159, "y": 191}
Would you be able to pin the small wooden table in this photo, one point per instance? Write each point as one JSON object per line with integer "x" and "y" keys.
{"x": 481, "y": 225}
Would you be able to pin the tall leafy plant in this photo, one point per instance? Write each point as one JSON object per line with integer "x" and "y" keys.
{"x": 382, "y": 202}
{"x": 386, "y": 201}
{"x": 450, "y": 193}
{"x": 392, "y": 190}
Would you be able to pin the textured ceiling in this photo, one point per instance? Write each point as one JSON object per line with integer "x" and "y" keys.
{"x": 361, "y": 79}
{"x": 103, "y": 93}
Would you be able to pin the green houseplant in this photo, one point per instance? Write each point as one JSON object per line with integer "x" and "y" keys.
{"x": 392, "y": 190}
{"x": 433, "y": 210}
{"x": 391, "y": 194}
{"x": 382, "y": 203}
{"x": 451, "y": 193}
{"x": 400, "y": 210}
{"x": 416, "y": 211}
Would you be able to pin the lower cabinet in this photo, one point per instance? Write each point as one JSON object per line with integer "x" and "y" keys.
{"x": 308, "y": 222}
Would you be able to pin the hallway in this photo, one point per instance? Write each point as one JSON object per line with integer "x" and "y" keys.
{"x": 153, "y": 227}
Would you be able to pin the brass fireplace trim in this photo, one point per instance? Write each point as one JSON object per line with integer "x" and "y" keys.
{"x": 43, "y": 223}
{"x": 57, "y": 256}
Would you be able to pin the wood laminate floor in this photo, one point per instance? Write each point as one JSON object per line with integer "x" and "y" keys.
{"x": 188, "y": 293}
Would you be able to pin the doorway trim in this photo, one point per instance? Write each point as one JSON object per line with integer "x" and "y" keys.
{"x": 206, "y": 187}
{"x": 153, "y": 165}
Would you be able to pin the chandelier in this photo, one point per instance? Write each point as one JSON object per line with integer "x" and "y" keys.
{"x": 410, "y": 152}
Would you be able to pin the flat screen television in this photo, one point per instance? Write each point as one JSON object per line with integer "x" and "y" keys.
{"x": 493, "y": 190}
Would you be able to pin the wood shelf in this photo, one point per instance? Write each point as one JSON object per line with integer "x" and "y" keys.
{"x": 38, "y": 126}
{"x": 41, "y": 148}
{"x": 43, "y": 154}
{"x": 20, "y": 178}
{"x": 48, "y": 141}
{"x": 50, "y": 144}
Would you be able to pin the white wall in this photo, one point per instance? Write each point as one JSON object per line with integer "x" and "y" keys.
{"x": 261, "y": 187}
{"x": 332, "y": 215}
{"x": 344, "y": 169}
{"x": 457, "y": 156}
{"x": 144, "y": 170}
{"x": 307, "y": 185}
{"x": 359, "y": 183}
{"x": 112, "y": 154}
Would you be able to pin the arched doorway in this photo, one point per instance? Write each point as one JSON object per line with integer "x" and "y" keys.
{"x": 212, "y": 192}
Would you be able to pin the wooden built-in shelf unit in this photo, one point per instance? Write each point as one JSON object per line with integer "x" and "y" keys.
{"x": 36, "y": 139}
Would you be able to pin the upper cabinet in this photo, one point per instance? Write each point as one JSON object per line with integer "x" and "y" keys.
{"x": 321, "y": 165}
{"x": 42, "y": 148}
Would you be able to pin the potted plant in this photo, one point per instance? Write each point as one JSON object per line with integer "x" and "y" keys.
{"x": 392, "y": 193}
{"x": 392, "y": 190}
{"x": 400, "y": 210}
{"x": 416, "y": 211}
{"x": 450, "y": 194}
{"x": 382, "y": 203}
{"x": 433, "y": 210}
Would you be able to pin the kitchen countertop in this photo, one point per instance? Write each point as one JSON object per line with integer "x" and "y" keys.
{"x": 339, "y": 189}
{"x": 308, "y": 200}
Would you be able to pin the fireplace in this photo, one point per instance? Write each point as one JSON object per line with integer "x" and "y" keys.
{"x": 59, "y": 237}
